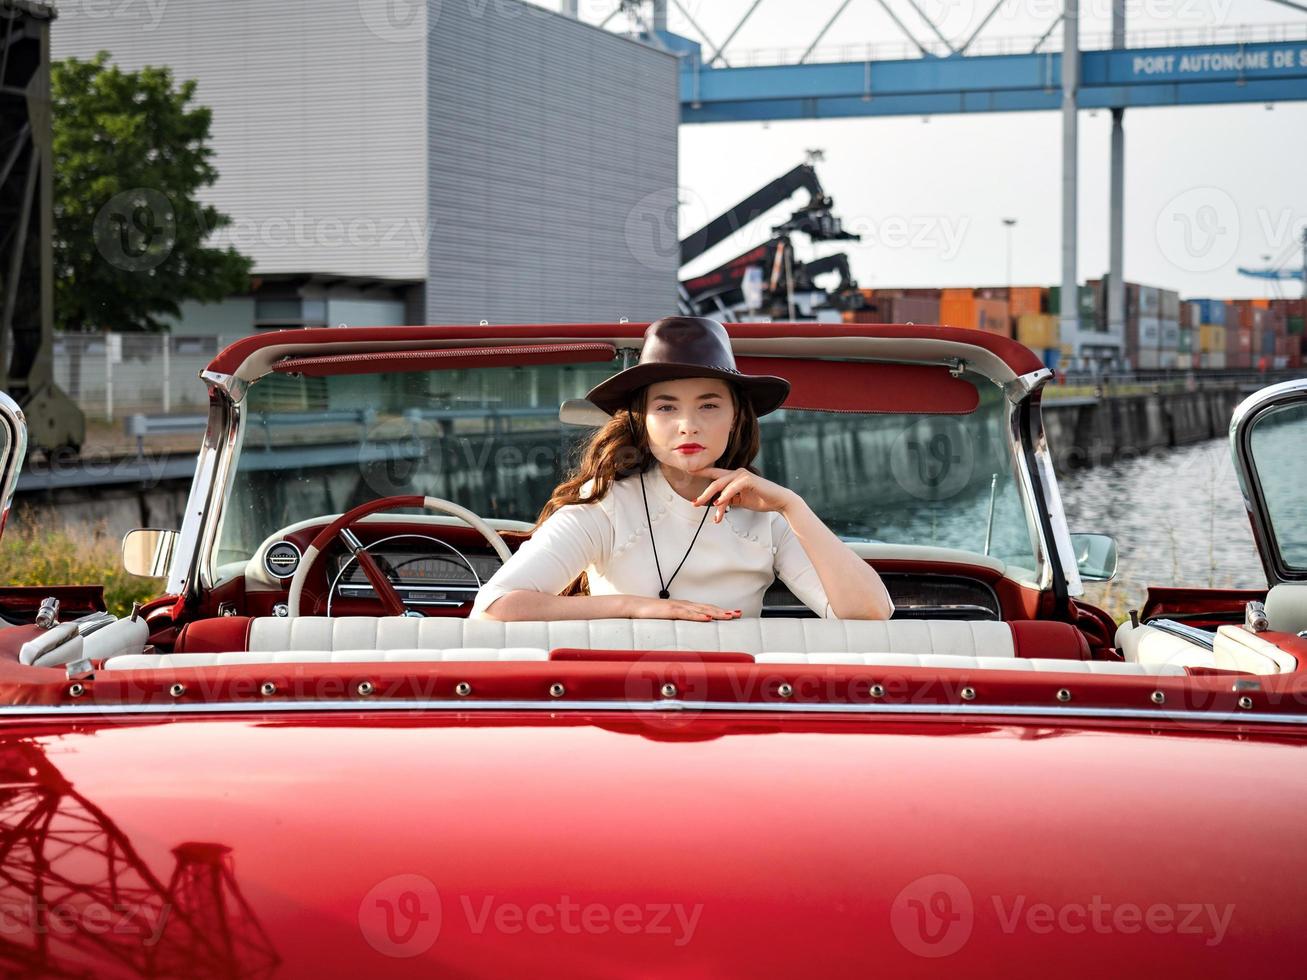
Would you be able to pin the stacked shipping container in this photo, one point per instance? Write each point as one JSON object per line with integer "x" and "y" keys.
{"x": 1161, "y": 331}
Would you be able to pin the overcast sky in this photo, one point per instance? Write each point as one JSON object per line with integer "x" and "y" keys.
{"x": 929, "y": 196}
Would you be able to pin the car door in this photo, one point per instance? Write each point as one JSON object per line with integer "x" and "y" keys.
{"x": 13, "y": 448}
{"x": 1268, "y": 435}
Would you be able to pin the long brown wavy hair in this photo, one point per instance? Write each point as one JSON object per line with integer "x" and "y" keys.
{"x": 621, "y": 449}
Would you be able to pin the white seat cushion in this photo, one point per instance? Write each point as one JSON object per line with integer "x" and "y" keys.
{"x": 1238, "y": 649}
{"x": 1153, "y": 647}
{"x": 1233, "y": 648}
{"x": 149, "y": 660}
{"x": 1286, "y": 607}
{"x": 754, "y": 635}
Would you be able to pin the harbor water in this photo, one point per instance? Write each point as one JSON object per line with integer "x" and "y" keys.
{"x": 1178, "y": 519}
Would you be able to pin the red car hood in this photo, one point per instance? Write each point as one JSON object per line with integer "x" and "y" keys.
{"x": 312, "y": 845}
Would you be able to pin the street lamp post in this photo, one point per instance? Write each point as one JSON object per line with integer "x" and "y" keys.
{"x": 1007, "y": 224}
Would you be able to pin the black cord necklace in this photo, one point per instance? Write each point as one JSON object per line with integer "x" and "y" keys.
{"x": 663, "y": 593}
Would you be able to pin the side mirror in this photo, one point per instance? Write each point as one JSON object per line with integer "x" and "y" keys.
{"x": 148, "y": 552}
{"x": 1095, "y": 556}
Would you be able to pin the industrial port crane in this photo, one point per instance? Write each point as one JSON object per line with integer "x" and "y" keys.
{"x": 769, "y": 278}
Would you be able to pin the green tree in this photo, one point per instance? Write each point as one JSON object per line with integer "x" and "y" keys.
{"x": 130, "y": 155}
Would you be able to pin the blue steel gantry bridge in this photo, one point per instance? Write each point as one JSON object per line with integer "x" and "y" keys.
{"x": 1264, "y": 63}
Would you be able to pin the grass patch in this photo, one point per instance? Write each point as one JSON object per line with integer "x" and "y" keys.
{"x": 31, "y": 555}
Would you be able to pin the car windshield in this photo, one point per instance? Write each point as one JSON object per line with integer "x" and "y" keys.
{"x": 491, "y": 440}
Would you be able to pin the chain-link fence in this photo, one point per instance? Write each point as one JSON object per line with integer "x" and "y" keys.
{"x": 112, "y": 375}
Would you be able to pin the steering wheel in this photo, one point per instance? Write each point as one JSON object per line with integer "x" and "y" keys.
{"x": 342, "y": 527}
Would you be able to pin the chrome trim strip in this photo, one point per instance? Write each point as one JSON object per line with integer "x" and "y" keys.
{"x": 1191, "y": 633}
{"x": 1026, "y": 488}
{"x": 233, "y": 440}
{"x": 1245, "y": 414}
{"x": 1024, "y": 385}
{"x": 233, "y": 387}
{"x": 1053, "y": 502}
{"x": 186, "y": 557}
{"x": 11, "y": 463}
{"x": 1069, "y": 711}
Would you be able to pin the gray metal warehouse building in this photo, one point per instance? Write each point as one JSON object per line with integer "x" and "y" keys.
{"x": 440, "y": 162}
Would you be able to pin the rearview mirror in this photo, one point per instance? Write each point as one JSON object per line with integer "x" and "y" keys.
{"x": 148, "y": 551}
{"x": 1095, "y": 556}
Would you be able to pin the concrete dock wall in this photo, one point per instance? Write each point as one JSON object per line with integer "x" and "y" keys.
{"x": 1085, "y": 432}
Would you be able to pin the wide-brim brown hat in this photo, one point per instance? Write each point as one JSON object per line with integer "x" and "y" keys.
{"x": 687, "y": 347}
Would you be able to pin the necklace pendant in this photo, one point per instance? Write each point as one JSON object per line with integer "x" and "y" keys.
{"x": 664, "y": 594}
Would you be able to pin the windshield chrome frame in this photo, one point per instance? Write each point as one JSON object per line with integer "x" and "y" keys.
{"x": 193, "y": 568}
{"x": 1245, "y": 416}
{"x": 1052, "y": 543}
{"x": 11, "y": 464}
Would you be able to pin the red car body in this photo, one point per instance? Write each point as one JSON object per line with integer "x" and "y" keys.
{"x": 615, "y": 812}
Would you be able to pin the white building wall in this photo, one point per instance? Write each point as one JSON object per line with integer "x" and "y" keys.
{"x": 317, "y": 119}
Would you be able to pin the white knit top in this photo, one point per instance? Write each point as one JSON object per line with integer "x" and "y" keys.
{"x": 731, "y": 564}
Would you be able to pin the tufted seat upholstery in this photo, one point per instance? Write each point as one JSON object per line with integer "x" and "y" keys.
{"x": 771, "y": 636}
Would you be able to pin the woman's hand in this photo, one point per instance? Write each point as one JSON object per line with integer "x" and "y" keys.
{"x": 740, "y": 488}
{"x": 644, "y": 607}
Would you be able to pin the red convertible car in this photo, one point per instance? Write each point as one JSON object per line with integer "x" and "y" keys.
{"x": 304, "y": 759}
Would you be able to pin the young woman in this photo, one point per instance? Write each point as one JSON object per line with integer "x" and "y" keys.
{"x": 665, "y": 518}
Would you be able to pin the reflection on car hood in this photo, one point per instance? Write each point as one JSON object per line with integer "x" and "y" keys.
{"x": 423, "y": 843}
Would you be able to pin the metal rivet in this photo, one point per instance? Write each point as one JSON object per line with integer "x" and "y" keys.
{"x": 877, "y": 691}
{"x": 76, "y": 690}
{"x": 462, "y": 689}
{"x": 1063, "y": 694}
{"x": 556, "y": 690}
{"x": 365, "y": 688}
{"x": 1245, "y": 702}
{"x": 968, "y": 694}
{"x": 177, "y": 690}
{"x": 1159, "y": 697}
{"x": 785, "y": 690}
{"x": 268, "y": 688}
{"x": 669, "y": 690}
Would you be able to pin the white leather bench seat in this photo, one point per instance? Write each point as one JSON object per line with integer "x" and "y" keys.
{"x": 949, "y": 644}
{"x": 754, "y": 635}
